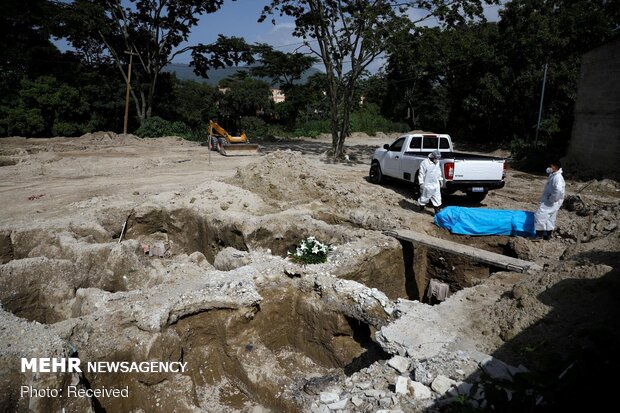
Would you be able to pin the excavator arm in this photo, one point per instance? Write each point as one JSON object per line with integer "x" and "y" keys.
{"x": 226, "y": 144}
{"x": 217, "y": 130}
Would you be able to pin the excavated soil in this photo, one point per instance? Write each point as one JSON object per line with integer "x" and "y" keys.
{"x": 115, "y": 248}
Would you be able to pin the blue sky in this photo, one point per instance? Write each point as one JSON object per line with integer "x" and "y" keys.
{"x": 239, "y": 18}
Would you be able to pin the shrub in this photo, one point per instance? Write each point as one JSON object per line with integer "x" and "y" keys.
{"x": 156, "y": 127}
{"x": 312, "y": 128}
{"x": 369, "y": 120}
{"x": 253, "y": 127}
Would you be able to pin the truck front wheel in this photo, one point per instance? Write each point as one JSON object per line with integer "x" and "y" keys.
{"x": 375, "y": 175}
{"x": 476, "y": 196}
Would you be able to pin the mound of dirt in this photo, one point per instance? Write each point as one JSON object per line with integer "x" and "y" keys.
{"x": 108, "y": 138}
{"x": 283, "y": 177}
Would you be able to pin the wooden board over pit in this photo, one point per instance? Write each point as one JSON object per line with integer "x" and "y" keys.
{"x": 487, "y": 257}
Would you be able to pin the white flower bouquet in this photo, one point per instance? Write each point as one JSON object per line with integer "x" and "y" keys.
{"x": 310, "y": 251}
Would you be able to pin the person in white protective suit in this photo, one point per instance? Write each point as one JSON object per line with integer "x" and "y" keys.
{"x": 550, "y": 202}
{"x": 429, "y": 177}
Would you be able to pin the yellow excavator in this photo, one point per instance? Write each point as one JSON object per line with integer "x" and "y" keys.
{"x": 228, "y": 145}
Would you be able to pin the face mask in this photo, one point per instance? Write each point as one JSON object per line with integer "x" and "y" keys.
{"x": 549, "y": 171}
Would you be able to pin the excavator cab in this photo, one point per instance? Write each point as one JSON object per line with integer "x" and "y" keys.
{"x": 229, "y": 145}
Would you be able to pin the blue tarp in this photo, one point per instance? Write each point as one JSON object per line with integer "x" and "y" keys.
{"x": 477, "y": 221}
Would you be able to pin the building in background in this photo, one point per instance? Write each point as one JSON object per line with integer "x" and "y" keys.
{"x": 277, "y": 95}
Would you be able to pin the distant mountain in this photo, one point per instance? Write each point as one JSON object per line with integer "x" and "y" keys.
{"x": 185, "y": 72}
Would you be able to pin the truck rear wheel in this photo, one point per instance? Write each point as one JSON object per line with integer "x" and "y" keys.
{"x": 375, "y": 175}
{"x": 476, "y": 196}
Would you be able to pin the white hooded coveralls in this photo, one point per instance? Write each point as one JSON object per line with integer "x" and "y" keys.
{"x": 429, "y": 177}
{"x": 550, "y": 202}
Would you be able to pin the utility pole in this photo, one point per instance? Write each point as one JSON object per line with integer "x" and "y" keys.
{"x": 542, "y": 97}
{"x": 131, "y": 54}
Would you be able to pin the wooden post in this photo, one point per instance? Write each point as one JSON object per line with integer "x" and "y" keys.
{"x": 127, "y": 93}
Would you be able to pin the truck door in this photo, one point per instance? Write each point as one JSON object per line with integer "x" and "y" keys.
{"x": 392, "y": 160}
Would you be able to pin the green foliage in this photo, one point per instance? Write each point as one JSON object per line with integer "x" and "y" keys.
{"x": 283, "y": 68}
{"x": 369, "y": 120}
{"x": 190, "y": 102}
{"x": 354, "y": 33}
{"x": 156, "y": 127}
{"x": 310, "y": 251}
{"x": 312, "y": 128}
{"x": 245, "y": 97}
{"x": 22, "y": 121}
{"x": 255, "y": 128}
{"x": 482, "y": 81}
{"x": 46, "y": 107}
{"x": 154, "y": 30}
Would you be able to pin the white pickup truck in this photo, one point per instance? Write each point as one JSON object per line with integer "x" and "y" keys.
{"x": 473, "y": 174}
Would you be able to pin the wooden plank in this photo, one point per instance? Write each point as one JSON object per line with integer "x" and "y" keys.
{"x": 497, "y": 260}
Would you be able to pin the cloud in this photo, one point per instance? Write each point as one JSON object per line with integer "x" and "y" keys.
{"x": 279, "y": 35}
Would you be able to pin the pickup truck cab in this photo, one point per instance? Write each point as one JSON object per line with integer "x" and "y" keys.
{"x": 473, "y": 174}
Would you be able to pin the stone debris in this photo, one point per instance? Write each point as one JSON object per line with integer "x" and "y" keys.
{"x": 399, "y": 363}
{"x": 339, "y": 405}
{"x": 357, "y": 401}
{"x": 328, "y": 398}
{"x": 442, "y": 385}
{"x": 419, "y": 391}
{"x": 390, "y": 411}
{"x": 401, "y": 386}
{"x": 498, "y": 370}
{"x": 230, "y": 259}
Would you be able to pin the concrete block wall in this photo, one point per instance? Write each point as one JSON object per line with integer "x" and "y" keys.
{"x": 595, "y": 142}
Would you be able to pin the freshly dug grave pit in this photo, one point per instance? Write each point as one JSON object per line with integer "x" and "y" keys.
{"x": 401, "y": 270}
{"x": 278, "y": 353}
{"x": 7, "y": 162}
{"x": 39, "y": 283}
{"x": 270, "y": 359}
{"x": 188, "y": 231}
{"x": 44, "y": 268}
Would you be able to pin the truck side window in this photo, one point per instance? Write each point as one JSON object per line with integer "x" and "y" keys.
{"x": 444, "y": 144}
{"x": 416, "y": 143}
{"x": 429, "y": 143}
{"x": 398, "y": 145}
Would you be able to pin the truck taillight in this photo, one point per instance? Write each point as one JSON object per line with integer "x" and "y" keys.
{"x": 448, "y": 171}
{"x": 505, "y": 171}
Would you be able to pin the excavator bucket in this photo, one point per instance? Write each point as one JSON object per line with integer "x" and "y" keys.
{"x": 239, "y": 149}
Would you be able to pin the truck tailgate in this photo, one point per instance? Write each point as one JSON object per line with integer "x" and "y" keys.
{"x": 478, "y": 169}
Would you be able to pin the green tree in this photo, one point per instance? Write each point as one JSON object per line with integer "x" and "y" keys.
{"x": 282, "y": 68}
{"x": 104, "y": 30}
{"x": 482, "y": 81}
{"x": 347, "y": 35}
{"x": 25, "y": 47}
{"x": 190, "y": 102}
{"x": 46, "y": 106}
{"x": 244, "y": 97}
{"x": 556, "y": 32}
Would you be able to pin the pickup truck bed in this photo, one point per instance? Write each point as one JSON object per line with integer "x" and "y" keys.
{"x": 471, "y": 173}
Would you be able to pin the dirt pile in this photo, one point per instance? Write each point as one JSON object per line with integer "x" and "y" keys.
{"x": 283, "y": 178}
{"x": 107, "y": 139}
